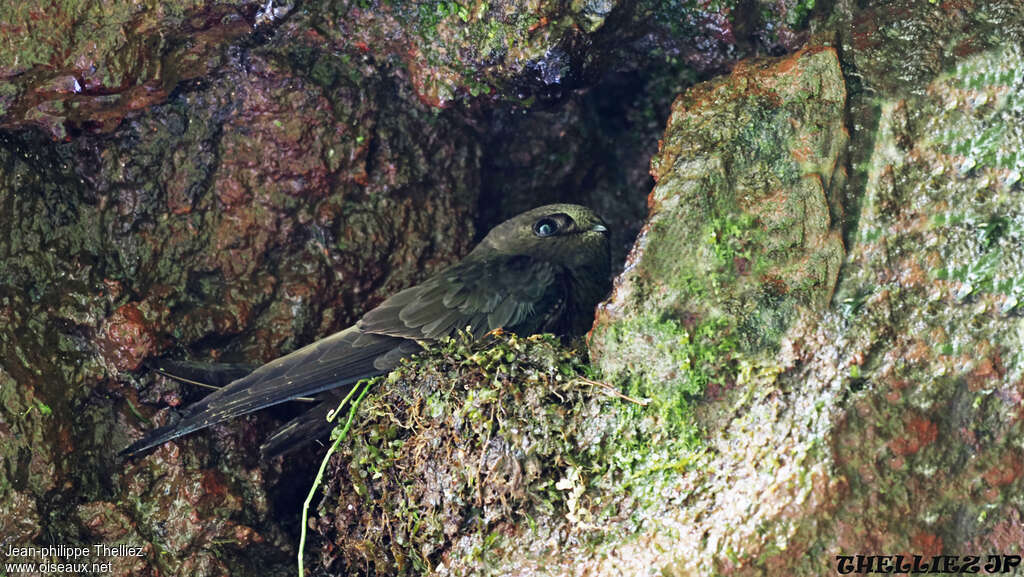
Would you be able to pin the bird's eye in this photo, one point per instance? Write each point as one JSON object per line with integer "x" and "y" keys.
{"x": 545, "y": 227}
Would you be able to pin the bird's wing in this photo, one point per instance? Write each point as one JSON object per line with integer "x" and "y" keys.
{"x": 340, "y": 359}
{"x": 512, "y": 293}
{"x": 517, "y": 293}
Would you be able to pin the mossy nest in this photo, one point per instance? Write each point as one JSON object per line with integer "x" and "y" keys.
{"x": 459, "y": 449}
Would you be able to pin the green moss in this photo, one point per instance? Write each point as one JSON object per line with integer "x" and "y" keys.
{"x": 730, "y": 237}
{"x": 470, "y": 444}
{"x": 678, "y": 364}
{"x": 429, "y": 14}
{"x": 799, "y": 13}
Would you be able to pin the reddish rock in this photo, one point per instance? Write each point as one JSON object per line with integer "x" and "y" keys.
{"x": 126, "y": 338}
{"x": 59, "y": 77}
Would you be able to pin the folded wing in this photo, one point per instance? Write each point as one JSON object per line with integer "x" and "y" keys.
{"x": 515, "y": 293}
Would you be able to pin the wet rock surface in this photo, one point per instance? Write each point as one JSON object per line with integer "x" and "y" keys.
{"x": 83, "y": 65}
{"x": 271, "y": 204}
{"x": 529, "y": 52}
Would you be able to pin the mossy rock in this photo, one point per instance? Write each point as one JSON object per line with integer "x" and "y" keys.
{"x": 743, "y": 231}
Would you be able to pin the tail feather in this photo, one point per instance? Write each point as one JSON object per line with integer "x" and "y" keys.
{"x": 336, "y": 361}
{"x": 304, "y": 429}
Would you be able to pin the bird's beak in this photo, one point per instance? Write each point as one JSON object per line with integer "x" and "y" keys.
{"x": 599, "y": 228}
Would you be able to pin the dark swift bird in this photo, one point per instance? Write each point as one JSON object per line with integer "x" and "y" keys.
{"x": 542, "y": 271}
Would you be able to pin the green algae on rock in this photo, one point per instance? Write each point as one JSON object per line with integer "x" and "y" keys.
{"x": 743, "y": 228}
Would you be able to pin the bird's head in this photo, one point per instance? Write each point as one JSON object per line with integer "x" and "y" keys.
{"x": 566, "y": 234}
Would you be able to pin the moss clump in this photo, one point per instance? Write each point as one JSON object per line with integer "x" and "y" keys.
{"x": 468, "y": 446}
{"x": 678, "y": 363}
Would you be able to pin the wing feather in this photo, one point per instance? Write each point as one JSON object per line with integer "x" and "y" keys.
{"x": 308, "y": 426}
{"x": 483, "y": 293}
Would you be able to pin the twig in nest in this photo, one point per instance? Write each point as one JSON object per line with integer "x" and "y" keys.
{"x": 613, "y": 391}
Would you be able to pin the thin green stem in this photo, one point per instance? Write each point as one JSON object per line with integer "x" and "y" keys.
{"x": 323, "y": 464}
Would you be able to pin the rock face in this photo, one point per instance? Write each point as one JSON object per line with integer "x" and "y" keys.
{"x": 742, "y": 232}
{"x": 883, "y": 421}
{"x": 929, "y": 440}
{"x": 272, "y": 204}
{"x": 83, "y": 65}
